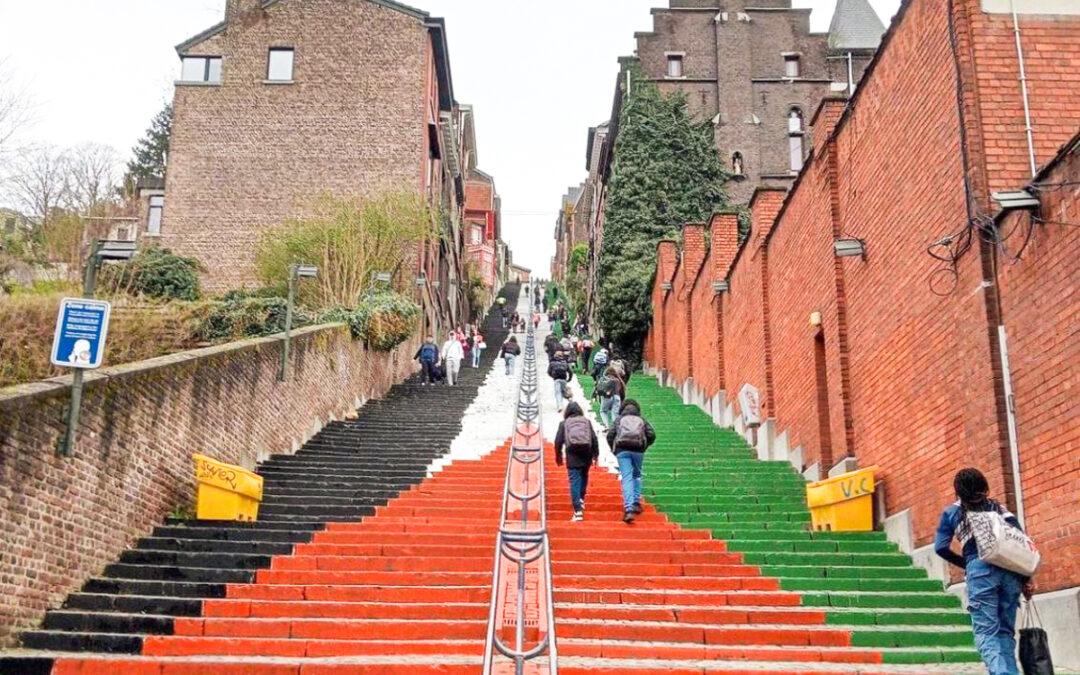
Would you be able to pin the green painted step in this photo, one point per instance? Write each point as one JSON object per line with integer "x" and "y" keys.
{"x": 705, "y": 477}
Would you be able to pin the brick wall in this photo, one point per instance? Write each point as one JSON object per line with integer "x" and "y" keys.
{"x": 904, "y": 370}
{"x": 245, "y": 155}
{"x": 1041, "y": 304}
{"x": 65, "y": 518}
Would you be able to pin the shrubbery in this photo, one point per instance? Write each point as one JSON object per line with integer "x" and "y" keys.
{"x": 242, "y": 317}
{"x": 155, "y": 273}
{"x": 383, "y": 320}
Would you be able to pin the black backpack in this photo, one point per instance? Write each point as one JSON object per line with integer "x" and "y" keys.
{"x": 606, "y": 387}
{"x": 558, "y": 369}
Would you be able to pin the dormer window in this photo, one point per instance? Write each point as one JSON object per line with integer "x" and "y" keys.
{"x": 201, "y": 69}
{"x": 791, "y": 65}
{"x": 674, "y": 65}
{"x": 795, "y": 140}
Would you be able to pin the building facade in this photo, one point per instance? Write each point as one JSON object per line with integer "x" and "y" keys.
{"x": 893, "y": 308}
{"x": 288, "y": 100}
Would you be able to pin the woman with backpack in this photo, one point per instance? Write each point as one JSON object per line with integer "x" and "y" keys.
{"x": 611, "y": 391}
{"x": 629, "y": 437}
{"x": 993, "y": 592}
{"x": 582, "y": 451}
{"x": 510, "y": 349}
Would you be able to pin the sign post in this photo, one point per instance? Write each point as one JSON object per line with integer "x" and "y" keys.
{"x": 81, "y": 327}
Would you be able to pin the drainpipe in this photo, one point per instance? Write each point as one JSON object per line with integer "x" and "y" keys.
{"x": 1010, "y": 414}
{"x": 850, "y": 77}
{"x": 1023, "y": 87}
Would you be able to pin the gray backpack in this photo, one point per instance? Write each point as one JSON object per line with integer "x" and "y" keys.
{"x": 630, "y": 434}
{"x": 578, "y": 434}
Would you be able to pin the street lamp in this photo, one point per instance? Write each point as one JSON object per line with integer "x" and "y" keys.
{"x": 850, "y": 248}
{"x": 296, "y": 272}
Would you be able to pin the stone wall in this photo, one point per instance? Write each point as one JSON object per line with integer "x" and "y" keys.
{"x": 64, "y": 518}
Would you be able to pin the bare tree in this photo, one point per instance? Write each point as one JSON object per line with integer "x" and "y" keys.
{"x": 40, "y": 182}
{"x": 15, "y": 109}
{"x": 93, "y": 171}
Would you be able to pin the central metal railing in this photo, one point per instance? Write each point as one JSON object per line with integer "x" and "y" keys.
{"x": 522, "y": 610}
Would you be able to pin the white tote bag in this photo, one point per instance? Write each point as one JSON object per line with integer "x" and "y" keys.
{"x": 1003, "y": 545}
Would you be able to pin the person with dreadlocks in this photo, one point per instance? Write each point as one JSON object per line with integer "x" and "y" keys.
{"x": 993, "y": 592}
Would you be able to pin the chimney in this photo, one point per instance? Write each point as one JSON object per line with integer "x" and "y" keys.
{"x": 724, "y": 228}
{"x": 236, "y": 9}
{"x": 693, "y": 250}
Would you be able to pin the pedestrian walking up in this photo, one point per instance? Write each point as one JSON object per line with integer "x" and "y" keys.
{"x": 559, "y": 370}
{"x": 629, "y": 437}
{"x": 611, "y": 390}
{"x": 509, "y": 352}
{"x": 993, "y": 592}
{"x": 478, "y": 347}
{"x": 586, "y": 347}
{"x": 428, "y": 356}
{"x": 600, "y": 363}
{"x": 452, "y": 355}
{"x": 582, "y": 451}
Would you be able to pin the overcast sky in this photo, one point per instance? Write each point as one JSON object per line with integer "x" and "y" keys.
{"x": 539, "y": 74}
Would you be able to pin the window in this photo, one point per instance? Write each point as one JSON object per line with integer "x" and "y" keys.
{"x": 201, "y": 69}
{"x": 279, "y": 66}
{"x": 475, "y": 236}
{"x": 737, "y": 164}
{"x": 122, "y": 234}
{"x": 795, "y": 140}
{"x": 791, "y": 65}
{"x": 153, "y": 220}
{"x": 674, "y": 65}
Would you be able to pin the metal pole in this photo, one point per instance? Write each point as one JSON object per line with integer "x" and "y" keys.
{"x": 283, "y": 372}
{"x": 71, "y": 416}
{"x": 1010, "y": 416}
{"x": 1023, "y": 89}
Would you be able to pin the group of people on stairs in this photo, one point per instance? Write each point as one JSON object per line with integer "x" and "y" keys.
{"x": 444, "y": 364}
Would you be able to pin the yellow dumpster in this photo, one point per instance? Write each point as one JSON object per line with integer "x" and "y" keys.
{"x": 226, "y": 492}
{"x": 844, "y": 503}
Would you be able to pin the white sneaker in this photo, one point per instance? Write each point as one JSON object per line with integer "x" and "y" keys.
{"x": 577, "y": 517}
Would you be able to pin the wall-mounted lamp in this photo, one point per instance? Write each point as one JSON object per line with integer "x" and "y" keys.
{"x": 665, "y": 285}
{"x": 381, "y": 277}
{"x": 1015, "y": 199}
{"x": 436, "y": 284}
{"x": 307, "y": 271}
{"x": 850, "y": 248}
{"x": 815, "y": 319}
{"x": 421, "y": 280}
{"x": 722, "y": 286}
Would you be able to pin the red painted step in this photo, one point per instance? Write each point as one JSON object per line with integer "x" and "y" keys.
{"x": 652, "y": 591}
{"x": 412, "y": 582}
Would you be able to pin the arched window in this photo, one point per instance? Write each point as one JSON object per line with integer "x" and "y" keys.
{"x": 795, "y": 139}
{"x": 736, "y": 164}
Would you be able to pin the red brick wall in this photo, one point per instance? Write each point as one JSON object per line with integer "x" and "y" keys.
{"x": 65, "y": 518}
{"x": 1041, "y": 304}
{"x": 910, "y": 344}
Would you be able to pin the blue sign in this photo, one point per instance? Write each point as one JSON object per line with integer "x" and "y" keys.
{"x": 81, "y": 327}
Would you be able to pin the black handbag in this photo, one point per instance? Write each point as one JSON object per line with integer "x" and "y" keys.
{"x": 1034, "y": 647}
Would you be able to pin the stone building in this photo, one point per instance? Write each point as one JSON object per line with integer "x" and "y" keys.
{"x": 757, "y": 71}
{"x": 286, "y": 100}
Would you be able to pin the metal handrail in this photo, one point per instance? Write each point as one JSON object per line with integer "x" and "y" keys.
{"x": 523, "y": 543}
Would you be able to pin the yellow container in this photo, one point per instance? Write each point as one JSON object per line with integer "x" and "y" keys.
{"x": 226, "y": 492}
{"x": 844, "y": 503}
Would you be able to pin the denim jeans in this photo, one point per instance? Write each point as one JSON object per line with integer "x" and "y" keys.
{"x": 993, "y": 597}
{"x": 630, "y": 473}
{"x": 477, "y": 352}
{"x": 579, "y": 484}
{"x": 509, "y": 360}
{"x": 609, "y": 409}
{"x": 428, "y": 372}
{"x": 560, "y": 393}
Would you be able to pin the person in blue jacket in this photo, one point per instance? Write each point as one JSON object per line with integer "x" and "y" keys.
{"x": 993, "y": 592}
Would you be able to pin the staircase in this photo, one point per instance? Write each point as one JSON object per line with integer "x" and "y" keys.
{"x": 185, "y": 569}
{"x": 746, "y": 582}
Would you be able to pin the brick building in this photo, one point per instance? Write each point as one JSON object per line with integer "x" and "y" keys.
{"x": 483, "y": 223}
{"x": 890, "y": 310}
{"x": 286, "y": 100}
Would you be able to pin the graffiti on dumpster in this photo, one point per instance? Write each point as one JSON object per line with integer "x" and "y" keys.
{"x": 857, "y": 486}
{"x": 209, "y": 471}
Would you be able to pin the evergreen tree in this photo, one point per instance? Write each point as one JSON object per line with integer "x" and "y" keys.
{"x": 151, "y": 150}
{"x": 667, "y": 172}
